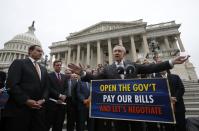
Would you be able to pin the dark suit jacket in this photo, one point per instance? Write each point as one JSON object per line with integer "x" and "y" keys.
{"x": 110, "y": 72}
{"x": 177, "y": 90}
{"x": 73, "y": 86}
{"x": 83, "y": 92}
{"x": 2, "y": 79}
{"x": 24, "y": 84}
{"x": 57, "y": 87}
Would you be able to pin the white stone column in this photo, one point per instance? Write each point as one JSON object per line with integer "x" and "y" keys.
{"x": 65, "y": 59}
{"x": 58, "y": 56}
{"x": 69, "y": 54}
{"x": 51, "y": 60}
{"x": 145, "y": 44}
{"x": 133, "y": 49}
{"x": 1, "y": 54}
{"x": 20, "y": 56}
{"x": 120, "y": 41}
{"x": 5, "y": 55}
{"x": 180, "y": 43}
{"x": 74, "y": 56}
{"x": 98, "y": 53}
{"x": 15, "y": 56}
{"x": 24, "y": 56}
{"x": 92, "y": 55}
{"x": 78, "y": 54}
{"x": 175, "y": 45}
{"x": 110, "y": 54}
{"x": 166, "y": 41}
{"x": 10, "y": 57}
{"x": 88, "y": 54}
{"x": 82, "y": 57}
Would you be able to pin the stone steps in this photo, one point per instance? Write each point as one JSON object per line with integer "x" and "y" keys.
{"x": 192, "y": 111}
{"x": 191, "y": 89}
{"x": 192, "y": 104}
{"x": 191, "y": 98}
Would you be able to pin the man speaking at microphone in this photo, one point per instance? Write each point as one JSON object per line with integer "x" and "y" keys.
{"x": 124, "y": 69}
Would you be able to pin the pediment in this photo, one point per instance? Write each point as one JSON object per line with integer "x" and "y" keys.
{"x": 105, "y": 26}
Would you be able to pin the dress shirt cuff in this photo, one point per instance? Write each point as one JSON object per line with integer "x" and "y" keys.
{"x": 43, "y": 100}
{"x": 60, "y": 95}
{"x": 171, "y": 63}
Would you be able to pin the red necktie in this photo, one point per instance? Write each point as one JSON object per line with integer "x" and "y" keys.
{"x": 59, "y": 78}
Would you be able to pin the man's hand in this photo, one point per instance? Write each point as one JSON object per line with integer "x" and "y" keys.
{"x": 33, "y": 104}
{"x": 59, "y": 101}
{"x": 40, "y": 102}
{"x": 87, "y": 102}
{"x": 173, "y": 100}
{"x": 62, "y": 97}
{"x": 74, "y": 68}
{"x": 180, "y": 59}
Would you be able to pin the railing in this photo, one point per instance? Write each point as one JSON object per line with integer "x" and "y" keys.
{"x": 161, "y": 25}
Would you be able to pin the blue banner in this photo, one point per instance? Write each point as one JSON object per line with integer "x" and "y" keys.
{"x": 136, "y": 100}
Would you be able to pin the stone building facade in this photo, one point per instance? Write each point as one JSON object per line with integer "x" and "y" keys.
{"x": 17, "y": 48}
{"x": 93, "y": 45}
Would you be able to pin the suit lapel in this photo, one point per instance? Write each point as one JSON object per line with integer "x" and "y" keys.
{"x": 33, "y": 69}
{"x": 114, "y": 71}
{"x": 170, "y": 80}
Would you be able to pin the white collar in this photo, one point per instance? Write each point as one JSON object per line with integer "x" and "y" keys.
{"x": 121, "y": 62}
{"x": 57, "y": 73}
{"x": 33, "y": 60}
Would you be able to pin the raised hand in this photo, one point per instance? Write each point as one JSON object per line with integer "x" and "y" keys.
{"x": 180, "y": 59}
{"x": 74, "y": 68}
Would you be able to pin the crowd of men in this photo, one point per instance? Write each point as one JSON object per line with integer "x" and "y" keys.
{"x": 39, "y": 101}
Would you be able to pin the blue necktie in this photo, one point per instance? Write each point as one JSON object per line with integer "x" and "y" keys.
{"x": 69, "y": 88}
{"x": 87, "y": 85}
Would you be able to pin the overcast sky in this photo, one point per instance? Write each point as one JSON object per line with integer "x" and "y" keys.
{"x": 55, "y": 19}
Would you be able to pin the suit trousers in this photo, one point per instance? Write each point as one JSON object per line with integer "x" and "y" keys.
{"x": 180, "y": 123}
{"x": 55, "y": 115}
{"x": 122, "y": 125}
{"x": 30, "y": 120}
{"x": 84, "y": 117}
{"x": 72, "y": 114}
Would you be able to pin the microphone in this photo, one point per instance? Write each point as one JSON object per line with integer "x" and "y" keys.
{"x": 120, "y": 70}
{"x": 130, "y": 69}
{"x": 4, "y": 89}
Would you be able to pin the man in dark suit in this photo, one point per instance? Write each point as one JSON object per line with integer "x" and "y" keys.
{"x": 111, "y": 72}
{"x": 83, "y": 97}
{"x": 2, "y": 97}
{"x": 55, "y": 111}
{"x": 71, "y": 100}
{"x": 2, "y": 79}
{"x": 177, "y": 91}
{"x": 28, "y": 84}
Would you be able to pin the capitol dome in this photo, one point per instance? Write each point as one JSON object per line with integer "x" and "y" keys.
{"x": 28, "y": 37}
{"x": 17, "y": 48}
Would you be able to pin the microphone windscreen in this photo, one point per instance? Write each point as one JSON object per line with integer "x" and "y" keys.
{"x": 130, "y": 69}
{"x": 120, "y": 70}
